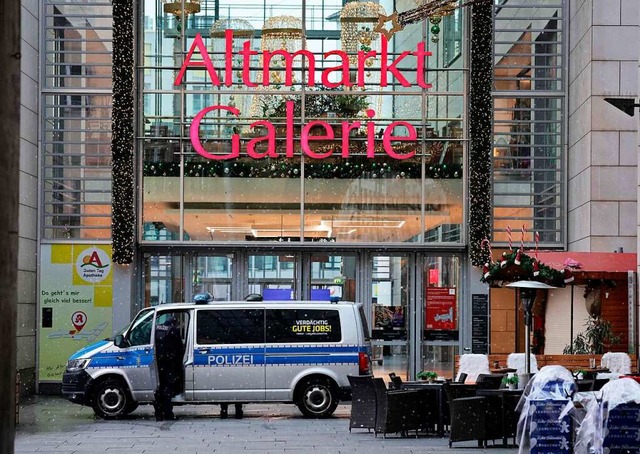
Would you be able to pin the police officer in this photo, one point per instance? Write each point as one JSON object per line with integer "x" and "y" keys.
{"x": 169, "y": 354}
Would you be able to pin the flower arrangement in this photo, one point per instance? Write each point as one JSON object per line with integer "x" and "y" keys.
{"x": 427, "y": 375}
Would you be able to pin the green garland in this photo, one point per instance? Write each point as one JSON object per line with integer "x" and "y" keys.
{"x": 506, "y": 270}
{"x": 343, "y": 169}
{"x": 122, "y": 138}
{"x": 480, "y": 130}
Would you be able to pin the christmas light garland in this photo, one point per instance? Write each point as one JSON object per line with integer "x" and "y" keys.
{"x": 340, "y": 168}
{"x": 122, "y": 138}
{"x": 480, "y": 130}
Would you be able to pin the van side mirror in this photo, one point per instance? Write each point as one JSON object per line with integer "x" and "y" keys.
{"x": 119, "y": 341}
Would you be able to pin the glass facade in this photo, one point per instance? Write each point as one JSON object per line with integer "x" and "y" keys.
{"x": 529, "y": 120}
{"x": 76, "y": 120}
{"x": 314, "y": 163}
{"x": 286, "y": 149}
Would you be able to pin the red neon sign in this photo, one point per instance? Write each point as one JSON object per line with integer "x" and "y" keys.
{"x": 386, "y": 70}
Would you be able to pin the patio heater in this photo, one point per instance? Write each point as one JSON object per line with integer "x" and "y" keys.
{"x": 527, "y": 297}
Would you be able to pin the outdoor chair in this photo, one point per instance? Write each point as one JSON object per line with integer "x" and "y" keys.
{"x": 396, "y": 410}
{"x": 544, "y": 411}
{"x": 363, "y": 402}
{"x": 621, "y": 428}
{"x": 489, "y": 381}
{"x": 474, "y": 364}
{"x": 517, "y": 361}
{"x": 611, "y": 424}
{"x": 467, "y": 414}
{"x": 461, "y": 377}
{"x": 617, "y": 363}
{"x": 396, "y": 382}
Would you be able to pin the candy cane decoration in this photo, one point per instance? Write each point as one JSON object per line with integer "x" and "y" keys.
{"x": 509, "y": 236}
{"x": 520, "y": 251}
{"x": 536, "y": 264}
{"x": 486, "y": 241}
{"x": 486, "y": 270}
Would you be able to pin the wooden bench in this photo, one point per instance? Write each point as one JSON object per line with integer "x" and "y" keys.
{"x": 571, "y": 362}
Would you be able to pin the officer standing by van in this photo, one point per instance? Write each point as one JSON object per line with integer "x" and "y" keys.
{"x": 169, "y": 354}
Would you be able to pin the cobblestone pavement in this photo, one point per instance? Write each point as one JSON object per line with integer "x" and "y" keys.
{"x": 53, "y": 425}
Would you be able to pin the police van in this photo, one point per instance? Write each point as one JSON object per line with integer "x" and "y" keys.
{"x": 235, "y": 352}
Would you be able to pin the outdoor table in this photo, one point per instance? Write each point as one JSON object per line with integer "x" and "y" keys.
{"x": 440, "y": 398}
{"x": 504, "y": 370}
{"x": 592, "y": 373}
{"x": 506, "y": 401}
{"x": 437, "y": 396}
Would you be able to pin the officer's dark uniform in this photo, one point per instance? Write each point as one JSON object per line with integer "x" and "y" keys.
{"x": 169, "y": 353}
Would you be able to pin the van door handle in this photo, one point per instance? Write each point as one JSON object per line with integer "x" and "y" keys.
{"x": 120, "y": 358}
{"x": 203, "y": 351}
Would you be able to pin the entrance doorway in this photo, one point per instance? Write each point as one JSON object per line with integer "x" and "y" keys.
{"x": 412, "y": 299}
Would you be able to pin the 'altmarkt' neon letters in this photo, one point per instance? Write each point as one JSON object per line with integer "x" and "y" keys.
{"x": 387, "y": 71}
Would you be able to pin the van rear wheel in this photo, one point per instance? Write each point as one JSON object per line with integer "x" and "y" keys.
{"x": 111, "y": 399}
{"x": 317, "y": 398}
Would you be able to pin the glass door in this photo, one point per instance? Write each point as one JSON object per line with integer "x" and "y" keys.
{"x": 331, "y": 277}
{"x": 391, "y": 285}
{"x": 162, "y": 279}
{"x": 439, "y": 314}
{"x": 213, "y": 274}
{"x": 275, "y": 277}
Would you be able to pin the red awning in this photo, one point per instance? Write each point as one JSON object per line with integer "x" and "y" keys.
{"x": 590, "y": 262}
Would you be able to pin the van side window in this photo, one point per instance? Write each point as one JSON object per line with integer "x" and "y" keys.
{"x": 303, "y": 325}
{"x": 232, "y": 326}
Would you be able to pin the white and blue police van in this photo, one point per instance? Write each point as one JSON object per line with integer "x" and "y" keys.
{"x": 235, "y": 352}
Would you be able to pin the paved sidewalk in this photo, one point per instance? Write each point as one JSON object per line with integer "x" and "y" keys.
{"x": 53, "y": 425}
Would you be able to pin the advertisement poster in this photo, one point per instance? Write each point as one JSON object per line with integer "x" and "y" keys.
{"x": 75, "y": 303}
{"x": 441, "y": 308}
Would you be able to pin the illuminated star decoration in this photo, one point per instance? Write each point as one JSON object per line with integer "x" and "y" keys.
{"x": 434, "y": 7}
{"x": 395, "y": 25}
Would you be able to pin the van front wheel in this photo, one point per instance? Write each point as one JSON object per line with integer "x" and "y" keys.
{"x": 111, "y": 399}
{"x": 317, "y": 398}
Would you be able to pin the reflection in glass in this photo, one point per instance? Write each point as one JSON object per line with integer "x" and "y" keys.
{"x": 212, "y": 273}
{"x": 390, "y": 297}
{"x": 273, "y": 276}
{"x": 163, "y": 279}
{"x": 333, "y": 277}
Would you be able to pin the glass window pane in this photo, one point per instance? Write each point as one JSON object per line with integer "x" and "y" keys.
{"x": 242, "y": 326}
{"x": 303, "y": 326}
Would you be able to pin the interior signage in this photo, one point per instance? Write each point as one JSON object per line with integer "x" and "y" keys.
{"x": 388, "y": 71}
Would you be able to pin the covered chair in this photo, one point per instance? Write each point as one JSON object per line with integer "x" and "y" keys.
{"x": 363, "y": 402}
{"x": 611, "y": 423}
{"x": 474, "y": 364}
{"x": 517, "y": 361}
{"x": 617, "y": 363}
{"x": 545, "y": 406}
